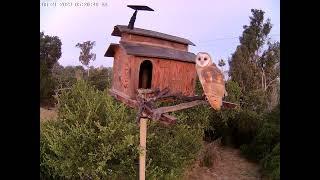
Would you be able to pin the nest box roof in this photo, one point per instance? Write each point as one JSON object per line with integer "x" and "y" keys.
{"x": 151, "y": 51}
{"x": 119, "y": 29}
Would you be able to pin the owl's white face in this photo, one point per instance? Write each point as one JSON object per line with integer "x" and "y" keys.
{"x": 203, "y": 59}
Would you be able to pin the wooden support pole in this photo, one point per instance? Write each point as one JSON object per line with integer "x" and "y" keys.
{"x": 143, "y": 147}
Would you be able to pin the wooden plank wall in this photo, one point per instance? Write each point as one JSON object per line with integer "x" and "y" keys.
{"x": 178, "y": 76}
{"x": 122, "y": 72}
{"x": 153, "y": 42}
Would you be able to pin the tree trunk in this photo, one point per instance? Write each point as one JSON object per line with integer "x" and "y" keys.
{"x": 262, "y": 81}
{"x": 265, "y": 83}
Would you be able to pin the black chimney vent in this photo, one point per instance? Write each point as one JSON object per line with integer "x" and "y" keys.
{"x": 136, "y": 8}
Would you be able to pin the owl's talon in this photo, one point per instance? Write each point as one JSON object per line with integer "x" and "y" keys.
{"x": 204, "y": 97}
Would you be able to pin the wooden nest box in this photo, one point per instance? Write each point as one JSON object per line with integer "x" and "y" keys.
{"x": 146, "y": 59}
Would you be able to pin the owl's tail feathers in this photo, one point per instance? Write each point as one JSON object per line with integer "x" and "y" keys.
{"x": 215, "y": 102}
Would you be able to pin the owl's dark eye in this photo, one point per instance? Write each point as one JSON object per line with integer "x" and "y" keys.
{"x": 205, "y": 58}
{"x": 199, "y": 59}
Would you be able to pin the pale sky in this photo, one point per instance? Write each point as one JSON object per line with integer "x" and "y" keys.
{"x": 212, "y": 25}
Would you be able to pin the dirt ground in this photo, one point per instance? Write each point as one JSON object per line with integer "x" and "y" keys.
{"x": 227, "y": 164}
{"x": 47, "y": 113}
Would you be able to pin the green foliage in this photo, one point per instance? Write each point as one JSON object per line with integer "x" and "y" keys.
{"x": 274, "y": 116}
{"x": 255, "y": 35}
{"x": 265, "y": 146}
{"x": 257, "y": 135}
{"x": 171, "y": 149}
{"x": 234, "y": 92}
{"x": 46, "y": 82}
{"x": 85, "y": 54}
{"x": 253, "y": 68}
{"x": 65, "y": 77}
{"x": 93, "y": 137}
{"x": 243, "y": 127}
{"x": 254, "y": 84}
{"x": 50, "y": 49}
{"x": 255, "y": 101}
{"x": 218, "y": 124}
{"x": 262, "y": 143}
{"x": 97, "y": 137}
{"x": 271, "y": 163}
{"x": 100, "y": 78}
{"x": 267, "y": 137}
{"x": 50, "y": 52}
{"x": 236, "y": 127}
{"x": 197, "y": 116}
{"x": 198, "y": 88}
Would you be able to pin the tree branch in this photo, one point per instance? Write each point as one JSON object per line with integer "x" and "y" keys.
{"x": 271, "y": 83}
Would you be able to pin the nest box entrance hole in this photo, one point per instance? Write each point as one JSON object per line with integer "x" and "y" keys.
{"x": 145, "y": 75}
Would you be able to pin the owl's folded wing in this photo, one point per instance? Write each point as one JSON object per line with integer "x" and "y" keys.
{"x": 213, "y": 82}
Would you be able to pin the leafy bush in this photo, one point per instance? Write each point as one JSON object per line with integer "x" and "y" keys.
{"x": 263, "y": 143}
{"x": 218, "y": 124}
{"x": 93, "y": 137}
{"x": 245, "y": 126}
{"x": 255, "y": 101}
{"x": 267, "y": 137}
{"x": 50, "y": 52}
{"x": 176, "y": 147}
{"x": 65, "y": 77}
{"x": 271, "y": 163}
{"x": 265, "y": 147}
{"x": 171, "y": 149}
{"x": 198, "y": 87}
{"x": 96, "y": 137}
{"x": 226, "y": 122}
{"x": 46, "y": 82}
{"x": 236, "y": 127}
{"x": 100, "y": 78}
{"x": 234, "y": 92}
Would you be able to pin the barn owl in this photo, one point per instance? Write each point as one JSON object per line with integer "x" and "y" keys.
{"x": 211, "y": 79}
